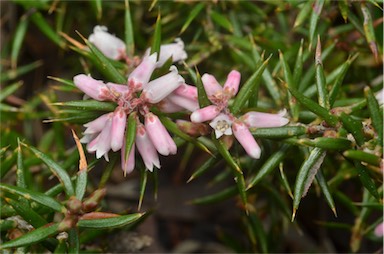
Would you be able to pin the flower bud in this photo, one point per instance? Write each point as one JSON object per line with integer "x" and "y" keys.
{"x": 108, "y": 44}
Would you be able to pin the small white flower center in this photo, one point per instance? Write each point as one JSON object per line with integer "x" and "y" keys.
{"x": 222, "y": 125}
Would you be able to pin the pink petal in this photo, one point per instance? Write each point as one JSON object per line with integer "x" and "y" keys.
{"x": 108, "y": 44}
{"x": 184, "y": 102}
{"x": 146, "y": 148}
{"x": 263, "y": 120}
{"x": 119, "y": 121}
{"x": 167, "y": 106}
{"x": 117, "y": 89}
{"x": 379, "y": 230}
{"x": 245, "y": 138}
{"x": 211, "y": 85}
{"x": 95, "y": 89}
{"x": 159, "y": 136}
{"x": 96, "y": 125}
{"x": 128, "y": 165}
{"x": 233, "y": 82}
{"x": 205, "y": 114}
{"x": 174, "y": 50}
{"x": 158, "y": 89}
{"x": 187, "y": 91}
{"x": 102, "y": 143}
{"x": 142, "y": 73}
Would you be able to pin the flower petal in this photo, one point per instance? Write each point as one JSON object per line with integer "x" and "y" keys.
{"x": 263, "y": 120}
{"x": 168, "y": 106}
{"x": 186, "y": 91}
{"x": 222, "y": 125}
{"x": 102, "y": 143}
{"x": 108, "y": 44}
{"x": 119, "y": 121}
{"x": 245, "y": 138}
{"x": 128, "y": 165}
{"x": 184, "y": 102}
{"x": 211, "y": 85}
{"x": 231, "y": 86}
{"x": 95, "y": 89}
{"x": 96, "y": 125}
{"x": 146, "y": 148}
{"x": 140, "y": 76}
{"x": 158, "y": 89}
{"x": 205, "y": 114}
{"x": 174, "y": 50}
{"x": 159, "y": 136}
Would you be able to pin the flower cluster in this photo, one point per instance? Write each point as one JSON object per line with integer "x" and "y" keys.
{"x": 224, "y": 122}
{"x": 169, "y": 93}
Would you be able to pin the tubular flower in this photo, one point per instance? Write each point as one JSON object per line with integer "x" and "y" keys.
{"x": 173, "y": 50}
{"x": 107, "y": 132}
{"x": 111, "y": 46}
{"x": 224, "y": 122}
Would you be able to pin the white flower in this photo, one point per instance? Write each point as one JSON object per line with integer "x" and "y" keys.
{"x": 108, "y": 44}
{"x": 222, "y": 125}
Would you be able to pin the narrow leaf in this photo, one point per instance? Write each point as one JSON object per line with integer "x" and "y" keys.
{"x": 12, "y": 74}
{"x": 46, "y": 29}
{"x": 369, "y": 31}
{"x": 20, "y": 172}
{"x": 303, "y": 14}
{"x": 326, "y": 191}
{"x": 18, "y": 39}
{"x": 129, "y": 33}
{"x": 73, "y": 241}
{"x": 216, "y": 197}
{"x": 246, "y": 90}
{"x": 375, "y": 113}
{"x": 143, "y": 186}
{"x": 208, "y": 164}
{"x": 343, "y": 6}
{"x": 317, "y": 8}
{"x": 302, "y": 176}
{"x": 291, "y": 84}
{"x": 27, "y": 213}
{"x": 366, "y": 180}
{"x": 57, "y": 170}
{"x": 355, "y": 127}
{"x": 157, "y": 37}
{"x": 32, "y": 195}
{"x": 130, "y": 135}
{"x": 108, "y": 223}
{"x": 192, "y": 15}
{"x": 363, "y": 157}
{"x": 82, "y": 177}
{"x": 88, "y": 105}
{"x": 279, "y": 132}
{"x": 320, "y": 78}
{"x": 221, "y": 20}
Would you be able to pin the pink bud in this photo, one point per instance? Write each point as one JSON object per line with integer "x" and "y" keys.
{"x": 187, "y": 91}
{"x": 245, "y": 138}
{"x": 146, "y": 148}
{"x": 95, "y": 89}
{"x": 128, "y": 165}
{"x": 264, "y": 120}
{"x": 142, "y": 73}
{"x": 159, "y": 136}
{"x": 233, "y": 82}
{"x": 102, "y": 143}
{"x": 211, "y": 85}
{"x": 379, "y": 230}
{"x": 96, "y": 125}
{"x": 184, "y": 102}
{"x": 158, "y": 89}
{"x": 118, "y": 128}
{"x": 117, "y": 89}
{"x": 108, "y": 44}
{"x": 205, "y": 114}
{"x": 168, "y": 106}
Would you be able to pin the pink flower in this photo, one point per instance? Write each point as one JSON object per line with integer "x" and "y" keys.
{"x": 264, "y": 120}
{"x": 156, "y": 90}
{"x": 174, "y": 50}
{"x": 146, "y": 148}
{"x": 205, "y": 114}
{"x": 102, "y": 143}
{"x": 127, "y": 165}
{"x": 119, "y": 121}
{"x": 379, "y": 230}
{"x": 108, "y": 44}
{"x": 245, "y": 138}
{"x": 222, "y": 125}
{"x": 159, "y": 136}
{"x": 142, "y": 73}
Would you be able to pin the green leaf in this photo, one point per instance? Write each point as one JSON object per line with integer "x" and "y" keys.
{"x": 291, "y": 84}
{"x": 298, "y": 69}
{"x": 339, "y": 80}
{"x": 32, "y": 237}
{"x": 98, "y": 7}
{"x": 257, "y": 228}
{"x": 46, "y": 29}
{"x": 105, "y": 64}
{"x": 314, "y": 107}
{"x": 73, "y": 241}
{"x": 108, "y": 171}
{"x": 355, "y": 127}
{"x": 314, "y": 20}
{"x": 18, "y": 39}
{"x": 338, "y": 144}
{"x": 57, "y": 170}
{"x": 302, "y": 180}
{"x": 157, "y": 37}
{"x": 81, "y": 184}
{"x": 192, "y": 15}
{"x": 375, "y": 113}
{"x": 322, "y": 92}
{"x": 12, "y": 74}
{"x": 279, "y": 132}
{"x": 30, "y": 195}
{"x": 325, "y": 189}
{"x": 129, "y": 33}
{"x": 7, "y": 224}
{"x": 284, "y": 180}
{"x": 88, "y": 105}
{"x": 208, "y": 164}
{"x": 343, "y": 6}
{"x": 369, "y": 31}
{"x": 27, "y": 213}
{"x": 366, "y": 180}
{"x": 221, "y": 20}
{"x": 20, "y": 172}
{"x": 130, "y": 135}
{"x": 363, "y": 157}
{"x": 272, "y": 162}
{"x": 246, "y": 90}
{"x": 143, "y": 186}
{"x": 303, "y": 14}
{"x": 201, "y": 94}
{"x": 216, "y": 197}
{"x": 109, "y": 223}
